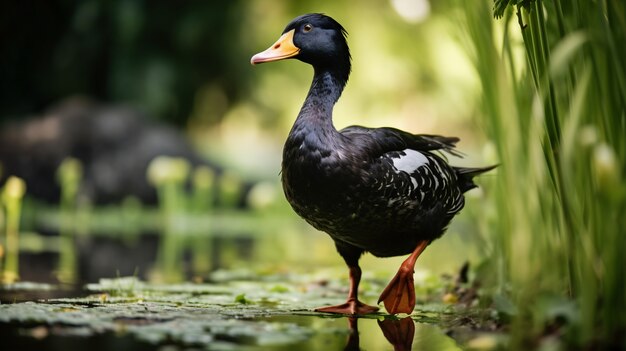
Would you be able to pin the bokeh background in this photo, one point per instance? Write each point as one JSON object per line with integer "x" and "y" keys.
{"x": 187, "y": 64}
{"x": 106, "y": 74}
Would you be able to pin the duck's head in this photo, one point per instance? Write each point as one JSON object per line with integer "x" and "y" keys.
{"x": 316, "y": 39}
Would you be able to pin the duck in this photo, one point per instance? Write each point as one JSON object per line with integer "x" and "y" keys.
{"x": 381, "y": 191}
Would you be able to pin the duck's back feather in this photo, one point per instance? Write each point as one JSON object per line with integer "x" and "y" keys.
{"x": 392, "y": 139}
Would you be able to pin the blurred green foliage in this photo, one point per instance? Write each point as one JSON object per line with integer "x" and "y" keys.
{"x": 154, "y": 54}
{"x": 190, "y": 59}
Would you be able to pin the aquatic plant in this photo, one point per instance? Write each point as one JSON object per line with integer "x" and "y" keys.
{"x": 202, "y": 200}
{"x": 69, "y": 176}
{"x": 203, "y": 188}
{"x": 229, "y": 189}
{"x": 553, "y": 102}
{"x": 169, "y": 175}
{"x": 12, "y": 196}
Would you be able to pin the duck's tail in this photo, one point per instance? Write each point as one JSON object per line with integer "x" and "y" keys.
{"x": 466, "y": 175}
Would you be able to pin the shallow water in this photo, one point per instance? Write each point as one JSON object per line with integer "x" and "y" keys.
{"x": 287, "y": 332}
{"x": 270, "y": 333}
{"x": 258, "y": 296}
{"x": 129, "y": 314}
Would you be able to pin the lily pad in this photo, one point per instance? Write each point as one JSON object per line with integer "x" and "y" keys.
{"x": 229, "y": 315}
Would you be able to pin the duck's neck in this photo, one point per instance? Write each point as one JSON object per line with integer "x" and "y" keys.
{"x": 325, "y": 90}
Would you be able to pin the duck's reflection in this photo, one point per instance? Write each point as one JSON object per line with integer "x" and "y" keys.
{"x": 399, "y": 333}
{"x": 353, "y": 338}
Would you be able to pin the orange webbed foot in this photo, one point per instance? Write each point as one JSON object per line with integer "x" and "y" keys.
{"x": 350, "y": 307}
{"x": 399, "y": 295}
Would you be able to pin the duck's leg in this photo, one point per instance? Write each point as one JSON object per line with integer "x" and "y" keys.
{"x": 353, "y": 306}
{"x": 399, "y": 295}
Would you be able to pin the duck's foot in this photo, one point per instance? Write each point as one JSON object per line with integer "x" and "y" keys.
{"x": 351, "y": 307}
{"x": 399, "y": 295}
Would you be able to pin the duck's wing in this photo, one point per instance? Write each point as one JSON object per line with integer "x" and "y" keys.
{"x": 408, "y": 168}
{"x": 389, "y": 139}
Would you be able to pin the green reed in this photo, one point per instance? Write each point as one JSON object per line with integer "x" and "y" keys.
{"x": 202, "y": 200}
{"x": 12, "y": 196}
{"x": 169, "y": 175}
{"x": 69, "y": 176}
{"x": 557, "y": 117}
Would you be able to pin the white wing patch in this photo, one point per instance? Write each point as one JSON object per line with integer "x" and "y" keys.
{"x": 410, "y": 161}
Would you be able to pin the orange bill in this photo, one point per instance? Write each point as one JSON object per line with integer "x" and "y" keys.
{"x": 282, "y": 49}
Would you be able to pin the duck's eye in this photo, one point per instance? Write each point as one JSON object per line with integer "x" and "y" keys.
{"x": 307, "y": 28}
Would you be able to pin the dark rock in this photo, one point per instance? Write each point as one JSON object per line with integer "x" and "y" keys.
{"x": 114, "y": 143}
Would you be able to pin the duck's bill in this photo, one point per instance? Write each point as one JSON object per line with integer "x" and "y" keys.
{"x": 282, "y": 49}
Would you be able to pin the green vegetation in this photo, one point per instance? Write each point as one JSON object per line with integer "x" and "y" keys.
{"x": 169, "y": 175}
{"x": 11, "y": 196}
{"x": 69, "y": 176}
{"x": 554, "y": 105}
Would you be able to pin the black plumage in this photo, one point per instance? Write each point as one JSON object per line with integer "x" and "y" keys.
{"x": 377, "y": 190}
